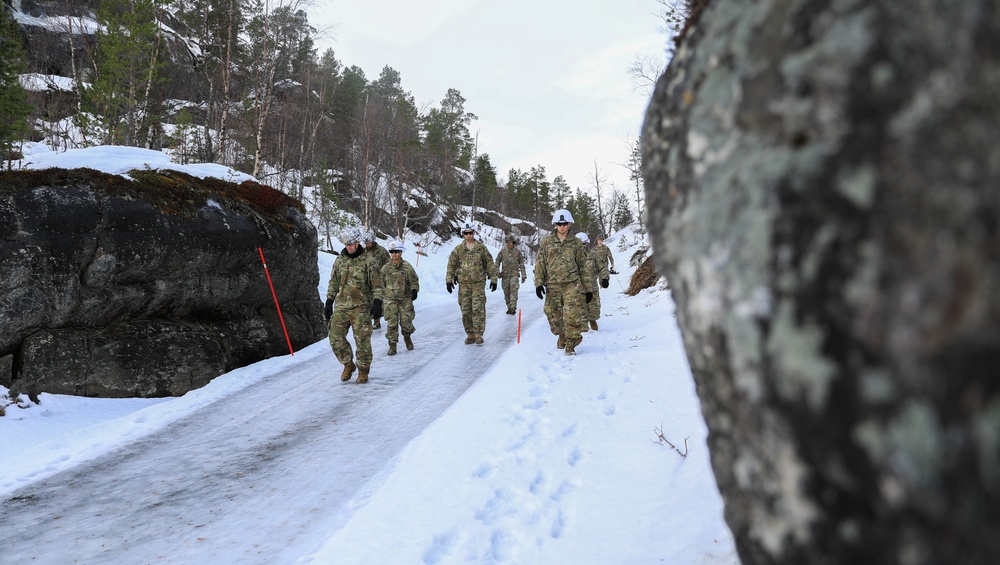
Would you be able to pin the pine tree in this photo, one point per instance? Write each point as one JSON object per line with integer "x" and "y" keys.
{"x": 128, "y": 63}
{"x": 561, "y": 192}
{"x": 14, "y": 108}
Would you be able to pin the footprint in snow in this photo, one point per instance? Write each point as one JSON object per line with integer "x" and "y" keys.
{"x": 440, "y": 547}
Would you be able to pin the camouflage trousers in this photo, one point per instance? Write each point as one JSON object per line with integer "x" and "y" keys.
{"x": 564, "y": 307}
{"x": 358, "y": 320}
{"x": 510, "y": 287}
{"x": 592, "y": 311}
{"x": 398, "y": 314}
{"x": 472, "y": 301}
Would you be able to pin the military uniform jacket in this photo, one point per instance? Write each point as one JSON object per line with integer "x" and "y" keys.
{"x": 471, "y": 265}
{"x": 510, "y": 263}
{"x": 598, "y": 265}
{"x": 563, "y": 262}
{"x": 353, "y": 280}
{"x": 399, "y": 280}
{"x": 603, "y": 255}
{"x": 378, "y": 256}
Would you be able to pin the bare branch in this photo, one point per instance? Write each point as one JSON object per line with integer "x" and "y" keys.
{"x": 663, "y": 439}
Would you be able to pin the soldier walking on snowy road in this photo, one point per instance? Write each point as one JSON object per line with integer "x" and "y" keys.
{"x": 401, "y": 285}
{"x": 510, "y": 265}
{"x": 353, "y": 298}
{"x": 469, "y": 265}
{"x": 378, "y": 256}
{"x": 598, "y": 270}
{"x": 563, "y": 279}
{"x": 604, "y": 256}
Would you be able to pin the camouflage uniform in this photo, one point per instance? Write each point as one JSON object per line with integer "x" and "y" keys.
{"x": 399, "y": 280}
{"x": 599, "y": 270}
{"x": 378, "y": 256}
{"x": 354, "y": 284}
{"x": 472, "y": 267}
{"x": 510, "y": 266}
{"x": 604, "y": 256}
{"x": 563, "y": 270}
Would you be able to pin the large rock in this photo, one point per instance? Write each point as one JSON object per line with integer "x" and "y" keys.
{"x": 110, "y": 287}
{"x": 823, "y": 189}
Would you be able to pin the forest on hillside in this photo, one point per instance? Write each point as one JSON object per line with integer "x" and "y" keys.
{"x": 242, "y": 83}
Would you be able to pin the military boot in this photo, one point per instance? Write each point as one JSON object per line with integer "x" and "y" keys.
{"x": 348, "y": 371}
{"x": 470, "y": 338}
{"x": 408, "y": 342}
{"x": 392, "y": 349}
{"x": 479, "y": 339}
{"x": 570, "y": 348}
{"x": 561, "y": 342}
{"x": 363, "y": 375}
{"x": 593, "y": 325}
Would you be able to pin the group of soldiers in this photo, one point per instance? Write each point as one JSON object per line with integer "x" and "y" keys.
{"x": 368, "y": 282}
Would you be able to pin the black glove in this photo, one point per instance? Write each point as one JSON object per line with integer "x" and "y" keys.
{"x": 377, "y": 309}
{"x": 589, "y": 296}
{"x": 604, "y": 283}
{"x": 450, "y": 287}
{"x": 413, "y": 294}
{"x": 493, "y": 286}
{"x": 540, "y": 292}
{"x": 328, "y": 311}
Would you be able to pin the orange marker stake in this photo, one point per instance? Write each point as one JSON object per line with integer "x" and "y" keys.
{"x": 276, "y": 305}
{"x": 519, "y": 325}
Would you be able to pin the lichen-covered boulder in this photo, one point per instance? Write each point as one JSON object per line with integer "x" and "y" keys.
{"x": 823, "y": 193}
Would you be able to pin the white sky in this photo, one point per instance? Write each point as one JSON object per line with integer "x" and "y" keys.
{"x": 547, "y": 79}
{"x": 544, "y": 458}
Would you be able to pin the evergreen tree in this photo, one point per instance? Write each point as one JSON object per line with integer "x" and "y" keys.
{"x": 541, "y": 206}
{"x": 561, "y": 192}
{"x": 621, "y": 211}
{"x": 129, "y": 56}
{"x": 584, "y": 209}
{"x": 447, "y": 131}
{"x": 484, "y": 182}
{"x": 14, "y": 108}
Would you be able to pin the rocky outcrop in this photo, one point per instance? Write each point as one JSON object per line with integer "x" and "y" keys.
{"x": 59, "y": 39}
{"x": 113, "y": 287}
{"x": 822, "y": 190}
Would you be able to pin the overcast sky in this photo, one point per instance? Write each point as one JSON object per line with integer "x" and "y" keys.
{"x": 547, "y": 79}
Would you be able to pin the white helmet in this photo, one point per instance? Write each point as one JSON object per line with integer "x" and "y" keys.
{"x": 351, "y": 234}
{"x": 396, "y": 245}
{"x": 368, "y": 236}
{"x": 562, "y": 216}
{"x": 582, "y": 236}
{"x": 469, "y": 226}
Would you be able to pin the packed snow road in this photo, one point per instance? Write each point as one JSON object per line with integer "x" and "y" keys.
{"x": 294, "y": 452}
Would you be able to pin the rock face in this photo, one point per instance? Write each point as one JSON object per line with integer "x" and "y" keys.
{"x": 823, "y": 192}
{"x": 115, "y": 288}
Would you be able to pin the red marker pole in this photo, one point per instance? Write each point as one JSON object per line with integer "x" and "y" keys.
{"x": 276, "y": 305}
{"x": 519, "y": 325}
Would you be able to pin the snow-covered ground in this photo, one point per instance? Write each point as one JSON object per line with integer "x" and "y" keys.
{"x": 543, "y": 458}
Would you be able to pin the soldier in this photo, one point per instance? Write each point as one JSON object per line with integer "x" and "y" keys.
{"x": 378, "y": 256}
{"x": 599, "y": 270}
{"x": 353, "y": 297}
{"x": 562, "y": 272}
{"x": 400, "y": 290}
{"x": 510, "y": 264}
{"x": 604, "y": 257}
{"x": 469, "y": 265}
